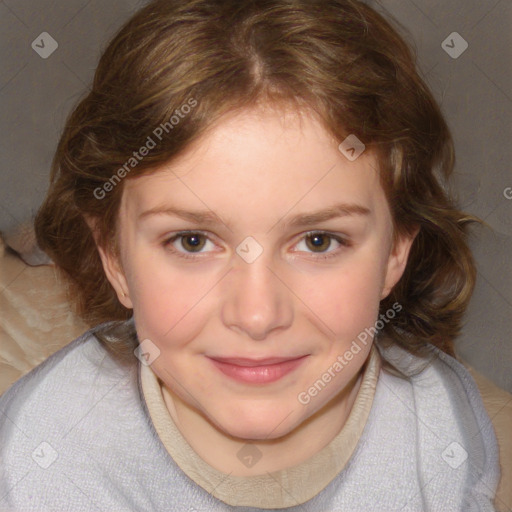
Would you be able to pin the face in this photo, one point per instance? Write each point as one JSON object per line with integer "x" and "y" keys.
{"x": 252, "y": 262}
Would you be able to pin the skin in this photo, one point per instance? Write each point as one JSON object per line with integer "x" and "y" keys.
{"x": 255, "y": 170}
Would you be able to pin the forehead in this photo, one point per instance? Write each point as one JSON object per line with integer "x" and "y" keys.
{"x": 259, "y": 161}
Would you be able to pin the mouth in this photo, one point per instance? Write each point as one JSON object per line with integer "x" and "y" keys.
{"x": 257, "y": 371}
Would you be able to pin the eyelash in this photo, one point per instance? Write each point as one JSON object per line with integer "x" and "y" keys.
{"x": 194, "y": 256}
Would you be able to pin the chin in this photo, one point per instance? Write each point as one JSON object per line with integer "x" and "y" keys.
{"x": 261, "y": 432}
{"x": 256, "y": 425}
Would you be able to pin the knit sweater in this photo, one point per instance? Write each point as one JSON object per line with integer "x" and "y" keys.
{"x": 82, "y": 432}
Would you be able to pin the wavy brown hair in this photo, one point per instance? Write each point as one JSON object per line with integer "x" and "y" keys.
{"x": 340, "y": 59}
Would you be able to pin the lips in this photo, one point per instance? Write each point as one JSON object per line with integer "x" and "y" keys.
{"x": 257, "y": 371}
{"x": 240, "y": 361}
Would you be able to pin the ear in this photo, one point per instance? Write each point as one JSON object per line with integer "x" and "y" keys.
{"x": 397, "y": 261}
{"x": 112, "y": 268}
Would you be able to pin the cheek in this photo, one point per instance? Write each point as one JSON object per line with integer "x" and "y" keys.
{"x": 346, "y": 300}
{"x": 167, "y": 302}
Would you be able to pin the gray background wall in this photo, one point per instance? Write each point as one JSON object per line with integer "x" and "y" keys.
{"x": 474, "y": 90}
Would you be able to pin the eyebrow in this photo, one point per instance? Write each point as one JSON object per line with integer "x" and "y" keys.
{"x": 208, "y": 217}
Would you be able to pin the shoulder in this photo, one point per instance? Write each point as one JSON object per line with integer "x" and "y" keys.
{"x": 436, "y": 376}
{"x": 61, "y": 388}
{"x": 82, "y": 363}
{"x": 31, "y": 386}
{"x": 456, "y": 441}
{"x": 60, "y": 413}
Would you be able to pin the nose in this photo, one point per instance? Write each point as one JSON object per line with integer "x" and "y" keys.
{"x": 256, "y": 300}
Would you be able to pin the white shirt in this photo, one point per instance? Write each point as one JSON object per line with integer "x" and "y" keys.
{"x": 77, "y": 435}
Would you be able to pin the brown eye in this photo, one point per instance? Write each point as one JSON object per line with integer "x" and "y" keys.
{"x": 188, "y": 244}
{"x": 318, "y": 242}
{"x": 193, "y": 242}
{"x": 319, "y": 245}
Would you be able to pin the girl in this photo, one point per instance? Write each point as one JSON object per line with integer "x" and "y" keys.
{"x": 250, "y": 207}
